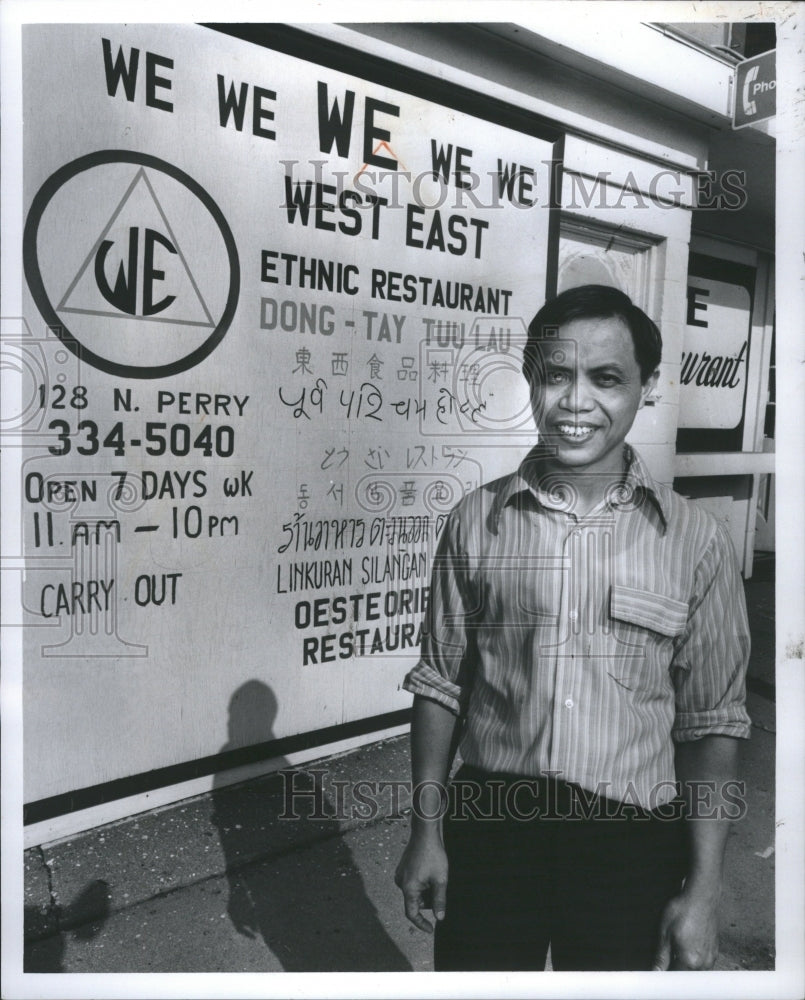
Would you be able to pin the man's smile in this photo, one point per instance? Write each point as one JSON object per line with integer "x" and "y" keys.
{"x": 575, "y": 432}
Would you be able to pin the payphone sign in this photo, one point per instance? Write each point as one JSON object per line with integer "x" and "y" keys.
{"x": 755, "y": 90}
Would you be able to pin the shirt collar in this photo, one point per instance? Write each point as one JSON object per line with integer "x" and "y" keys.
{"x": 638, "y": 483}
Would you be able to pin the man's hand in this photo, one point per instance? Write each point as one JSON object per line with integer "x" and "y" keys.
{"x": 689, "y": 925}
{"x": 422, "y": 876}
{"x": 688, "y": 934}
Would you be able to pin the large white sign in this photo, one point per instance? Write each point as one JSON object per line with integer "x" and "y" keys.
{"x": 715, "y": 355}
{"x": 273, "y": 334}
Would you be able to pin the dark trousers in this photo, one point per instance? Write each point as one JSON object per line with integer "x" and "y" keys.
{"x": 534, "y": 863}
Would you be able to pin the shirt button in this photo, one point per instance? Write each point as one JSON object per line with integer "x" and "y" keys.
{"x": 568, "y": 703}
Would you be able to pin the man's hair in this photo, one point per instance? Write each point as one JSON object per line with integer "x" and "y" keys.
{"x": 593, "y": 302}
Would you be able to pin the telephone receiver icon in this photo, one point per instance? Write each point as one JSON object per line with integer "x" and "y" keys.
{"x": 750, "y": 108}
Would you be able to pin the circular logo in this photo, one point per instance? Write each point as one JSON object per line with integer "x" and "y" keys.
{"x": 131, "y": 263}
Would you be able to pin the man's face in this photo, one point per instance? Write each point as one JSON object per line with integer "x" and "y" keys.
{"x": 588, "y": 393}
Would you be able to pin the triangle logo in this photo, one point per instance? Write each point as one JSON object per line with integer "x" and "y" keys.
{"x": 137, "y": 267}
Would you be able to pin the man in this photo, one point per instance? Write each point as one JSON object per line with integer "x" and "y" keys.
{"x": 586, "y": 643}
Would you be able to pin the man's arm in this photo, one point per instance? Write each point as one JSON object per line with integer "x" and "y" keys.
{"x": 689, "y": 928}
{"x": 422, "y": 871}
{"x": 710, "y": 662}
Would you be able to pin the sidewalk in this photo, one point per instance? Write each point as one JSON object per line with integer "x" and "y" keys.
{"x": 223, "y": 883}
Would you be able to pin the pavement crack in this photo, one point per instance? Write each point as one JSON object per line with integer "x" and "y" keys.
{"x": 54, "y": 910}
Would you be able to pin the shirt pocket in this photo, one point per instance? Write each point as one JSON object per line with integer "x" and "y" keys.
{"x": 644, "y": 626}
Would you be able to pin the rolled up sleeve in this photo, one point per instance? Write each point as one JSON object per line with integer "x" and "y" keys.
{"x": 442, "y": 672}
{"x": 712, "y": 654}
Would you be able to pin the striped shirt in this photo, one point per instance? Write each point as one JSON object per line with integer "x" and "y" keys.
{"x": 585, "y": 646}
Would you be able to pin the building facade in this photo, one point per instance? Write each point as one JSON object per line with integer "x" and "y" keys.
{"x": 276, "y": 278}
